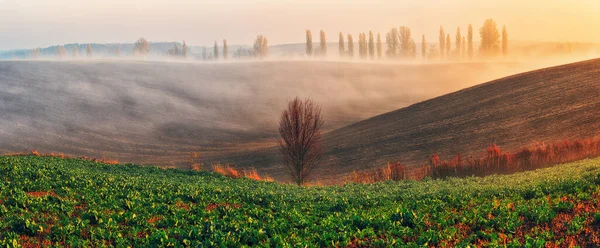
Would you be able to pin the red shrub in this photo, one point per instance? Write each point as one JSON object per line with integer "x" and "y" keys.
{"x": 495, "y": 161}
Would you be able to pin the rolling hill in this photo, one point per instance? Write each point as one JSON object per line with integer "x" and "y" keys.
{"x": 539, "y": 106}
{"x": 152, "y": 112}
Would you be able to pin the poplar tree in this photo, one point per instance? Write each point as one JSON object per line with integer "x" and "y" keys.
{"x": 393, "y": 44}
{"x": 448, "y": 45}
{"x": 61, "y": 51}
{"x": 225, "y": 49}
{"x": 504, "y": 41}
{"x": 458, "y": 42}
{"x": 89, "y": 50}
{"x": 442, "y": 42}
{"x": 423, "y": 47}
{"x": 350, "y": 46}
{"x": 341, "y": 47}
{"x": 406, "y": 42}
{"x": 371, "y": 45}
{"x": 323, "y": 40}
{"x": 184, "y": 52}
{"x": 216, "y": 51}
{"x": 470, "y": 41}
{"x": 309, "y": 45}
{"x": 379, "y": 46}
{"x": 362, "y": 45}
{"x": 463, "y": 48}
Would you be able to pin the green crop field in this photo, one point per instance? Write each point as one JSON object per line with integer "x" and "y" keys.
{"x": 71, "y": 202}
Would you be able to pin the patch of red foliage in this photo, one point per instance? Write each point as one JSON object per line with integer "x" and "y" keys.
{"x": 154, "y": 219}
{"x": 182, "y": 205}
{"x": 494, "y": 161}
{"x": 41, "y": 193}
{"x": 225, "y": 205}
{"x": 141, "y": 235}
{"x": 33, "y": 242}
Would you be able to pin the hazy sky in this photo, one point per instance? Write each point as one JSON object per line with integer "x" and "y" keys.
{"x": 40, "y": 23}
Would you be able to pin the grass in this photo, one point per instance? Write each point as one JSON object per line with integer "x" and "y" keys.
{"x": 82, "y": 203}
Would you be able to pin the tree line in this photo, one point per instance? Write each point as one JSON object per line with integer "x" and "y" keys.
{"x": 142, "y": 48}
{"x": 399, "y": 42}
{"x": 401, "y": 45}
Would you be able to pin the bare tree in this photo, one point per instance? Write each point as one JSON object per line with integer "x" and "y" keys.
{"x": 309, "y": 45}
{"x": 141, "y": 47}
{"x": 261, "y": 46}
{"x": 300, "y": 138}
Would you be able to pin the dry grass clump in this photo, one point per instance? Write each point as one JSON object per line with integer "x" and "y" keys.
{"x": 194, "y": 161}
{"x": 229, "y": 171}
{"x": 494, "y": 161}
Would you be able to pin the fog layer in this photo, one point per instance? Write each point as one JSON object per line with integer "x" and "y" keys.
{"x": 159, "y": 112}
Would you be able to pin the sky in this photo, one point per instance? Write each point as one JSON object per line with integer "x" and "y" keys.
{"x": 27, "y": 24}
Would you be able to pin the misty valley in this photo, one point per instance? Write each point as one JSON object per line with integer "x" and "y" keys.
{"x": 251, "y": 123}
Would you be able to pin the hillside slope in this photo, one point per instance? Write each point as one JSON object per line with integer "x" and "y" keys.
{"x": 77, "y": 203}
{"x": 539, "y": 106}
{"x": 153, "y": 112}
{"x": 544, "y": 105}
